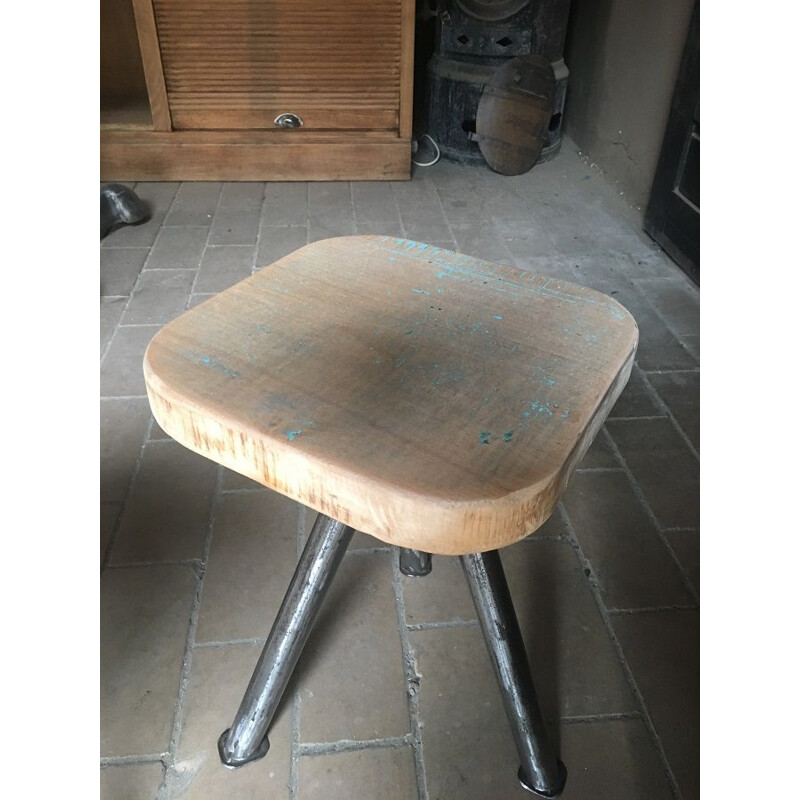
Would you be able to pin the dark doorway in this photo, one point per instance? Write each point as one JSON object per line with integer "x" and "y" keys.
{"x": 673, "y": 212}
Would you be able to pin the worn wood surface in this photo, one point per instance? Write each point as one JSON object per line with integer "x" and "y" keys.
{"x": 433, "y": 400}
{"x": 274, "y": 155}
{"x": 514, "y": 112}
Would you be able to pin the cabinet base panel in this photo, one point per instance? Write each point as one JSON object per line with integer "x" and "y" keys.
{"x": 208, "y": 156}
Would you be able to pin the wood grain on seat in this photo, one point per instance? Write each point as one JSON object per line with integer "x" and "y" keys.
{"x": 433, "y": 400}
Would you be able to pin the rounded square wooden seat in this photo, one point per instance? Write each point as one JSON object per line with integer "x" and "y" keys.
{"x": 436, "y": 401}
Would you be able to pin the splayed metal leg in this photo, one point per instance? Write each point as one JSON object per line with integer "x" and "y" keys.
{"x": 541, "y": 773}
{"x": 414, "y": 563}
{"x": 246, "y": 740}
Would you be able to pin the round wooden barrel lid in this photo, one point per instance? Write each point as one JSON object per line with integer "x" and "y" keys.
{"x": 514, "y": 112}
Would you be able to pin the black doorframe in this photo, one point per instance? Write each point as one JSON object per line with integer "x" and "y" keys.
{"x": 673, "y": 211}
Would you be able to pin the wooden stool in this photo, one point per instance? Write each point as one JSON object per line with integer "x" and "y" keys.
{"x": 435, "y": 401}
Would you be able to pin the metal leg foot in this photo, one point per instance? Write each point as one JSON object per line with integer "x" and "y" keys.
{"x": 541, "y": 773}
{"x": 414, "y": 563}
{"x": 119, "y": 205}
{"x": 246, "y": 739}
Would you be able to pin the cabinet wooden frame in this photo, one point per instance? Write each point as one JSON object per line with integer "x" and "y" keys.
{"x": 157, "y": 151}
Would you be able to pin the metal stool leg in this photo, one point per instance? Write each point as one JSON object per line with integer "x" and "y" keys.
{"x": 246, "y": 740}
{"x": 414, "y": 563}
{"x": 541, "y": 773}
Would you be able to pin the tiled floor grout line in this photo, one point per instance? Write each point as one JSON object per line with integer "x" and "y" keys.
{"x": 128, "y": 491}
{"x": 163, "y": 225}
{"x": 679, "y": 529}
{"x": 369, "y": 551}
{"x": 205, "y": 246}
{"x": 583, "y": 719}
{"x": 350, "y": 745}
{"x": 446, "y": 218}
{"x": 138, "y": 279}
{"x": 437, "y": 626}
{"x": 533, "y": 538}
{"x": 308, "y": 212}
{"x": 144, "y": 324}
{"x": 188, "y": 654}
{"x": 126, "y": 247}
{"x": 618, "y": 612}
{"x": 254, "y": 265}
{"x": 194, "y": 563}
{"x": 119, "y": 761}
{"x": 123, "y": 397}
{"x": 695, "y": 371}
{"x": 637, "y": 490}
{"x": 659, "y": 400}
{"x": 638, "y": 697}
{"x": 636, "y": 419}
{"x": 352, "y": 204}
{"x": 599, "y": 469}
{"x": 412, "y": 682}
{"x": 227, "y": 642}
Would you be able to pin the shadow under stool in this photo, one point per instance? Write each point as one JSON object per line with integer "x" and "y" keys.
{"x": 435, "y": 401}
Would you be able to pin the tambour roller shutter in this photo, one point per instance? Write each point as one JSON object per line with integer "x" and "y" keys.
{"x": 241, "y": 63}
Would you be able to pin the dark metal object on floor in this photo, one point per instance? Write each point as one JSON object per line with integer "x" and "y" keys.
{"x": 541, "y": 772}
{"x": 119, "y": 205}
{"x": 473, "y": 39}
{"x": 246, "y": 740}
{"x": 414, "y": 563}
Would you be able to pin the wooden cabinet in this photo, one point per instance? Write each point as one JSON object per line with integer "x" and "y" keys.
{"x": 198, "y": 89}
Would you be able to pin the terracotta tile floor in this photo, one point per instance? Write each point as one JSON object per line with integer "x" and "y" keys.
{"x": 394, "y": 697}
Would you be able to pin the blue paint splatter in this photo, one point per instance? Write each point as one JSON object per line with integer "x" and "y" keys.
{"x": 539, "y": 408}
{"x": 484, "y": 437}
{"x": 507, "y": 436}
{"x": 210, "y": 362}
{"x": 497, "y": 316}
{"x": 292, "y": 435}
{"x": 485, "y": 399}
{"x": 398, "y": 362}
{"x": 420, "y": 291}
{"x": 565, "y": 414}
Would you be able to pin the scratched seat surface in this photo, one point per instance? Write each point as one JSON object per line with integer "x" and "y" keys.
{"x": 433, "y": 400}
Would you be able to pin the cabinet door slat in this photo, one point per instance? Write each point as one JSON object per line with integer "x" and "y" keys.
{"x": 237, "y": 65}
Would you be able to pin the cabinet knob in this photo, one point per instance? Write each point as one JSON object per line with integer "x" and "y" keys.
{"x": 288, "y": 121}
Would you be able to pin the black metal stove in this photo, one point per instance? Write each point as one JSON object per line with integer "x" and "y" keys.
{"x": 471, "y": 39}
